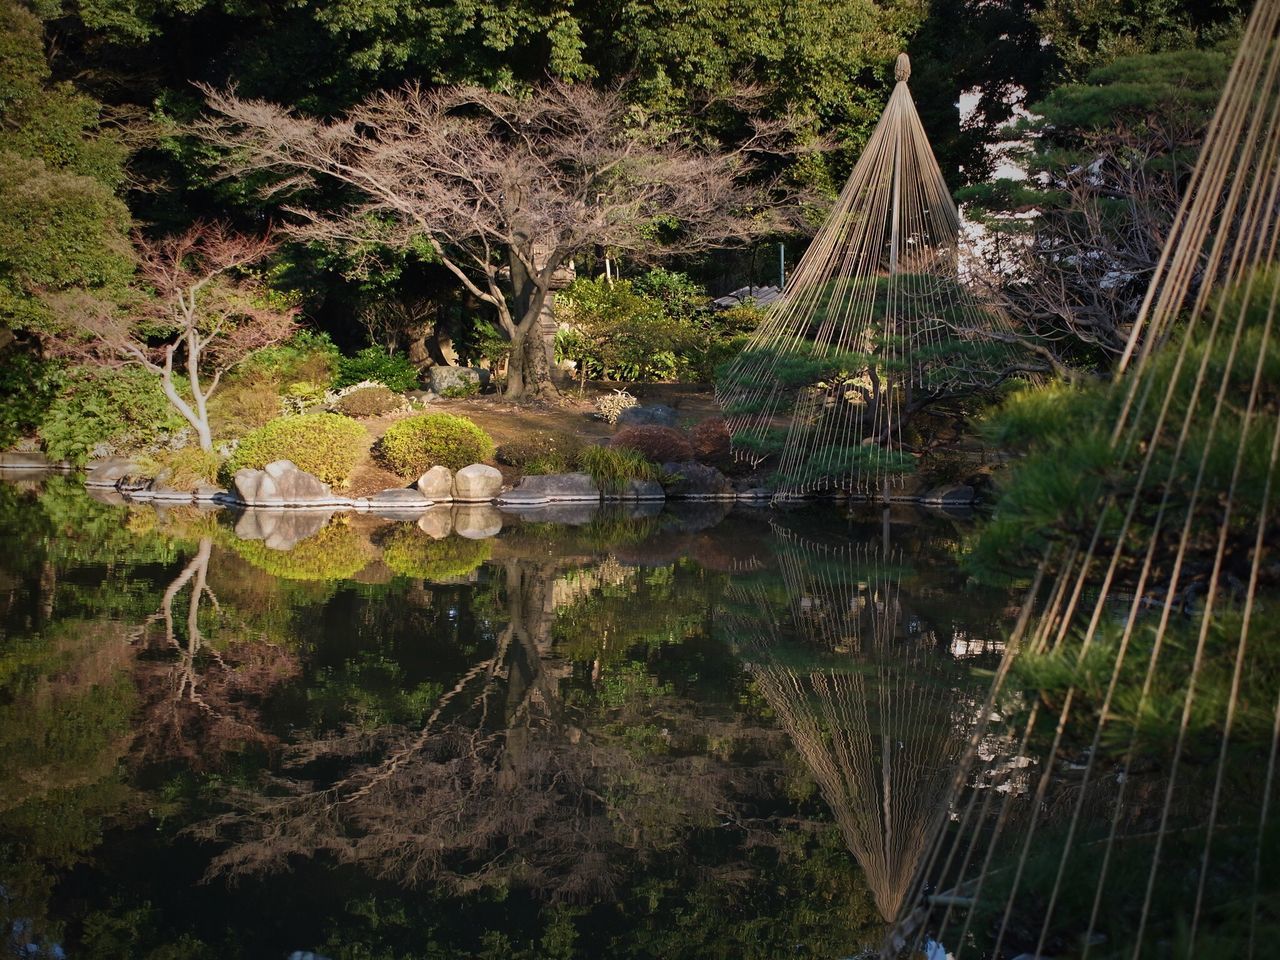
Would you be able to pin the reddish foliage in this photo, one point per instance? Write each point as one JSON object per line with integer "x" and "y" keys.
{"x": 710, "y": 440}
{"x": 659, "y": 444}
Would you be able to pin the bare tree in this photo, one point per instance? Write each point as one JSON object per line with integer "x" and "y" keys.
{"x": 503, "y": 190}
{"x": 1071, "y": 273}
{"x": 197, "y": 305}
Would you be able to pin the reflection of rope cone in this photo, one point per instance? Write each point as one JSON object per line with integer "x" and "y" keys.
{"x": 872, "y": 718}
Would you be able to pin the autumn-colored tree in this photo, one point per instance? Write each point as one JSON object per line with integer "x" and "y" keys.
{"x": 197, "y": 307}
{"x": 502, "y": 190}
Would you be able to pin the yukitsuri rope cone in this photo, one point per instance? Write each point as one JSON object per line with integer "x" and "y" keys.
{"x": 1143, "y": 677}
{"x": 869, "y": 707}
{"x": 873, "y": 325}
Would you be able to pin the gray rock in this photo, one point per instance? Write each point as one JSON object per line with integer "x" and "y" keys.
{"x": 437, "y": 522}
{"x": 448, "y": 378}
{"x": 207, "y": 491}
{"x": 697, "y": 480}
{"x": 641, "y": 490}
{"x": 400, "y": 496}
{"x": 24, "y": 460}
{"x": 555, "y": 488}
{"x": 755, "y": 493}
{"x": 437, "y": 483}
{"x": 281, "y": 483}
{"x": 476, "y": 483}
{"x": 653, "y": 415}
{"x": 109, "y": 472}
{"x": 953, "y": 494}
{"x": 477, "y": 521}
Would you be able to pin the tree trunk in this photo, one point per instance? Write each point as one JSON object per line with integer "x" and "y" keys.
{"x": 528, "y": 374}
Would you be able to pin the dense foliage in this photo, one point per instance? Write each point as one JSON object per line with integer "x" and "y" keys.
{"x": 325, "y": 445}
{"x": 414, "y": 445}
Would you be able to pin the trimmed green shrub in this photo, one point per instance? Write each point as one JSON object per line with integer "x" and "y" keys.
{"x": 369, "y": 402}
{"x": 410, "y": 447}
{"x": 125, "y": 409}
{"x": 411, "y": 553}
{"x": 611, "y": 468}
{"x": 337, "y": 552}
{"x": 373, "y": 363}
{"x": 187, "y": 468}
{"x": 324, "y": 444}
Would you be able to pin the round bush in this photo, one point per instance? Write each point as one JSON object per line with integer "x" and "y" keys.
{"x": 659, "y": 444}
{"x": 411, "y": 447}
{"x": 323, "y": 444}
{"x": 369, "y": 402}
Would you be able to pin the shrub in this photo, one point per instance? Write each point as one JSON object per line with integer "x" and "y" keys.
{"x": 659, "y": 444}
{"x": 304, "y": 357}
{"x": 243, "y": 405}
{"x": 710, "y": 439}
{"x": 187, "y": 468}
{"x": 324, "y": 444}
{"x": 412, "y": 446}
{"x": 411, "y": 553}
{"x": 373, "y": 363}
{"x": 28, "y": 386}
{"x": 459, "y": 391}
{"x": 610, "y": 407}
{"x": 369, "y": 402}
{"x": 611, "y": 468}
{"x": 107, "y": 409}
{"x": 541, "y": 452}
{"x": 302, "y": 395}
{"x": 337, "y": 552}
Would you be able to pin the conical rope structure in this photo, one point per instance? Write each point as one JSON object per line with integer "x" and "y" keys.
{"x": 873, "y": 325}
{"x": 869, "y": 708}
{"x": 1144, "y": 671}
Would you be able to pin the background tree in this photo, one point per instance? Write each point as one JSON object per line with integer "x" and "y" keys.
{"x": 197, "y": 305}
{"x": 1072, "y": 248}
{"x": 502, "y": 189}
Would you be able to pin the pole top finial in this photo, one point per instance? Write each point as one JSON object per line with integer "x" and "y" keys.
{"x": 902, "y": 69}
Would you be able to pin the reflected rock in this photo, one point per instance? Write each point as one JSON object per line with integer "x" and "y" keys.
{"x": 436, "y": 484}
{"x": 25, "y": 460}
{"x": 281, "y": 529}
{"x": 692, "y": 516}
{"x": 951, "y": 495}
{"x": 437, "y": 523}
{"x": 642, "y": 509}
{"x": 476, "y": 483}
{"x": 107, "y": 495}
{"x": 477, "y": 521}
{"x": 570, "y": 514}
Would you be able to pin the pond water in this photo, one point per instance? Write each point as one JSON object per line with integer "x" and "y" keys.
{"x": 703, "y": 732}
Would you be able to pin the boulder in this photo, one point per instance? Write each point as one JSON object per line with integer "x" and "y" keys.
{"x": 207, "y": 492}
{"x": 24, "y": 460}
{"x": 953, "y": 494}
{"x": 554, "y": 488}
{"x": 437, "y": 483}
{"x": 437, "y": 522}
{"x": 476, "y": 483}
{"x": 643, "y": 490}
{"x": 653, "y": 415}
{"x": 450, "y": 378}
{"x": 281, "y": 483}
{"x": 109, "y": 472}
{"x": 756, "y": 494}
{"x": 477, "y": 521}
{"x": 697, "y": 480}
{"x": 401, "y": 497}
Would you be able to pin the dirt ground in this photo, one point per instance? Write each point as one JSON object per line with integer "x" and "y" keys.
{"x": 506, "y": 421}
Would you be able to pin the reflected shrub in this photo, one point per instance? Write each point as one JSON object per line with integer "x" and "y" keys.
{"x": 411, "y": 553}
{"x": 335, "y": 553}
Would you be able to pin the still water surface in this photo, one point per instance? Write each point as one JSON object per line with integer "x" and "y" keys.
{"x": 701, "y": 733}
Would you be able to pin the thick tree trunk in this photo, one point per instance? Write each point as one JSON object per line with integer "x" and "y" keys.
{"x": 528, "y": 373}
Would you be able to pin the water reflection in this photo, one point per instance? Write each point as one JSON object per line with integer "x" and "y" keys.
{"x": 633, "y": 735}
